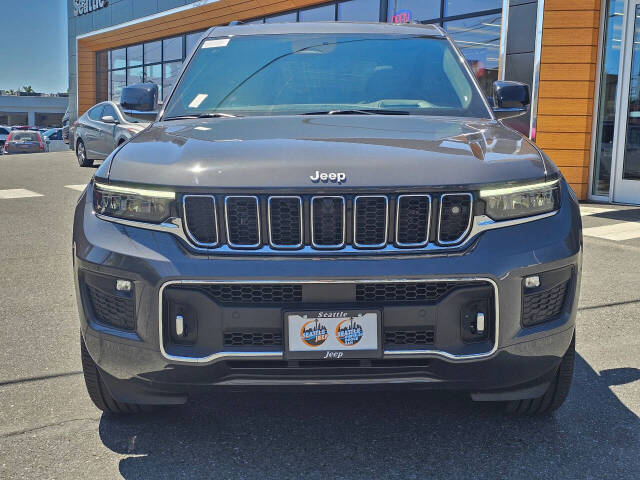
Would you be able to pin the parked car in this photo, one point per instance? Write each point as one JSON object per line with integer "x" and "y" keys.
{"x": 53, "y": 140}
{"x": 24, "y": 127}
{"x": 4, "y": 133}
{"x": 24, "y": 141}
{"x": 342, "y": 208}
{"x": 65, "y": 127}
{"x": 101, "y": 129}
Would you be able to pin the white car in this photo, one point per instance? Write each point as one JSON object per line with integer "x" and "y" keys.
{"x": 53, "y": 141}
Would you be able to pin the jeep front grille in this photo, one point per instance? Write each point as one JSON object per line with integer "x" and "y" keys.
{"x": 327, "y": 222}
{"x": 455, "y": 217}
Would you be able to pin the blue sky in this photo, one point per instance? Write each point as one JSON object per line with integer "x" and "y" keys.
{"x": 33, "y": 45}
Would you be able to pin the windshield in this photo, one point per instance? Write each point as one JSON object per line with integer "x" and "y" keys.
{"x": 322, "y": 73}
{"x": 48, "y": 133}
{"x": 25, "y": 137}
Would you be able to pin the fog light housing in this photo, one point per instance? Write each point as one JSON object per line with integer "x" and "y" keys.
{"x": 532, "y": 282}
{"x": 123, "y": 285}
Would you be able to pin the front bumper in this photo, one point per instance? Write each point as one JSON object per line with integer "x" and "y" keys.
{"x": 142, "y": 365}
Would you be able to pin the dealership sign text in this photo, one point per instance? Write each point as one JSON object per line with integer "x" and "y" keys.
{"x": 80, "y": 7}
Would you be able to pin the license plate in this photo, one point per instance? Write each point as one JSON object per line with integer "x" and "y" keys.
{"x": 333, "y": 334}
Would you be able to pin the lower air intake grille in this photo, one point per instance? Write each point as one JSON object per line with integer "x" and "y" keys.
{"x": 238, "y": 339}
{"x": 252, "y": 293}
{"x": 409, "y": 337}
{"x": 328, "y": 221}
{"x": 455, "y": 217}
{"x": 200, "y": 215}
{"x": 544, "y": 306}
{"x": 243, "y": 227}
{"x": 413, "y": 220}
{"x": 404, "y": 291}
{"x": 112, "y": 310}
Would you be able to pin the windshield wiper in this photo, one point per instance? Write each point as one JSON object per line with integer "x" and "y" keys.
{"x": 365, "y": 111}
{"x": 202, "y": 115}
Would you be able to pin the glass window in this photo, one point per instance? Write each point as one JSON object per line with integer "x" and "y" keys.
{"x": 118, "y": 80}
{"x": 318, "y": 14}
{"x": 152, "y": 52}
{"x": 172, "y": 49}
{"x": 108, "y": 110}
{"x": 134, "y": 56}
{"x": 119, "y": 58}
{"x": 418, "y": 10}
{"x": 192, "y": 41}
{"x": 462, "y": 7}
{"x": 284, "y": 18}
{"x": 134, "y": 75}
{"x": 153, "y": 73}
{"x": 411, "y": 74}
{"x": 607, "y": 99}
{"x": 96, "y": 112}
{"x": 359, "y": 10}
{"x": 478, "y": 39}
{"x": 170, "y": 72}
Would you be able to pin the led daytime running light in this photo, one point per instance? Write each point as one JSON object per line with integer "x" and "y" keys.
{"x": 136, "y": 191}
{"x": 518, "y": 188}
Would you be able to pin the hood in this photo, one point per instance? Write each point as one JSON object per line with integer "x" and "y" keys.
{"x": 371, "y": 150}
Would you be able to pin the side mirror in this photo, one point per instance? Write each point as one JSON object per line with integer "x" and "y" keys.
{"x": 109, "y": 119}
{"x": 141, "y": 97}
{"x": 510, "y": 99}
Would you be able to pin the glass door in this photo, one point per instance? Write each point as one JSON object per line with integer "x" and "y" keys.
{"x": 626, "y": 187}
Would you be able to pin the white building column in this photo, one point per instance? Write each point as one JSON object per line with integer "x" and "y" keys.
{"x": 31, "y": 118}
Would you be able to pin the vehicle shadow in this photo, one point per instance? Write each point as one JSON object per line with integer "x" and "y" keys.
{"x": 383, "y": 435}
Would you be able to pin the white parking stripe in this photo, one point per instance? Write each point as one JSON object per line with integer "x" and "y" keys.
{"x": 616, "y": 232}
{"x": 586, "y": 210}
{"x": 76, "y": 187}
{"x": 17, "y": 193}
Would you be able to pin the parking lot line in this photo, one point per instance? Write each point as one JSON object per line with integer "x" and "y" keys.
{"x": 80, "y": 187}
{"x": 17, "y": 193}
{"x": 616, "y": 232}
{"x": 587, "y": 210}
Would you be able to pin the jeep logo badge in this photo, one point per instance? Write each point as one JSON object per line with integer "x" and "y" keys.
{"x": 324, "y": 177}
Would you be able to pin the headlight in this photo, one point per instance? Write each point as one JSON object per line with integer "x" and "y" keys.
{"x": 521, "y": 200}
{"x": 137, "y": 204}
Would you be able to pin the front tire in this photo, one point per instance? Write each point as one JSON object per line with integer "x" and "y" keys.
{"x": 81, "y": 154}
{"x": 555, "y": 395}
{"x": 99, "y": 392}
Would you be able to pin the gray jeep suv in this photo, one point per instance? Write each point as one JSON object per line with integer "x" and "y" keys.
{"x": 328, "y": 205}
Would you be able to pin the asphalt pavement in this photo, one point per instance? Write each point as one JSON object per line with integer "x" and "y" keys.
{"x": 50, "y": 429}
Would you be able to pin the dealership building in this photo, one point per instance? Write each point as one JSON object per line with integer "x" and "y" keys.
{"x": 579, "y": 56}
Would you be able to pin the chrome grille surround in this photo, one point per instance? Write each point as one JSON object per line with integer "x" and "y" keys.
{"x": 355, "y": 222}
{"x": 398, "y": 205}
{"x": 466, "y": 232}
{"x": 301, "y": 224}
{"x": 314, "y": 199}
{"x": 226, "y": 215}
{"x": 215, "y": 221}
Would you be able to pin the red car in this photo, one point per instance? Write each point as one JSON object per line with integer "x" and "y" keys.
{"x": 24, "y": 141}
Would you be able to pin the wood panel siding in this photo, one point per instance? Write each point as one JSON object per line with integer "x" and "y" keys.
{"x": 196, "y": 18}
{"x": 567, "y": 86}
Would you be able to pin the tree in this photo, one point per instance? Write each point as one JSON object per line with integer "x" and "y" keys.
{"x": 27, "y": 89}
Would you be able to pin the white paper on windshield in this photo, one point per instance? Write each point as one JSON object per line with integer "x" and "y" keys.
{"x": 216, "y": 43}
